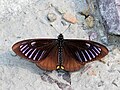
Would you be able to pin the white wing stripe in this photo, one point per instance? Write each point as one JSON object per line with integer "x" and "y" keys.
{"x": 24, "y": 47}
{"x": 88, "y": 54}
{"x": 36, "y": 55}
{"x": 32, "y": 54}
{"x": 79, "y": 56}
{"x": 21, "y": 46}
{"x": 25, "y": 50}
{"x": 95, "y": 52}
{"x": 41, "y": 55}
{"x": 84, "y": 56}
{"x": 97, "y": 49}
{"x": 92, "y": 54}
{"x": 28, "y": 52}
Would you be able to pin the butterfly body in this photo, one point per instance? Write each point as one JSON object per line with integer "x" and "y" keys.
{"x": 60, "y": 52}
{"x": 65, "y": 54}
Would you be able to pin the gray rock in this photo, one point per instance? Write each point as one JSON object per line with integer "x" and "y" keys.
{"x": 109, "y": 11}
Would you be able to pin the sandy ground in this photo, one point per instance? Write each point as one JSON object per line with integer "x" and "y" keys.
{"x": 23, "y": 19}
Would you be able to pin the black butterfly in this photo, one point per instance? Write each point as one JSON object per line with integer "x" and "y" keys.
{"x": 63, "y": 54}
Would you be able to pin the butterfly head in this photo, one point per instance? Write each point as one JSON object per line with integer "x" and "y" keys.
{"x": 60, "y": 37}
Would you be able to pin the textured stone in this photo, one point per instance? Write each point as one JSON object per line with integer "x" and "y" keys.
{"x": 51, "y": 17}
{"x": 70, "y": 18}
{"x": 110, "y": 11}
{"x": 90, "y": 21}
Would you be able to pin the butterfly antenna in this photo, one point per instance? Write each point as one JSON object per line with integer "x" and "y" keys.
{"x": 66, "y": 29}
{"x": 54, "y": 28}
{"x": 63, "y": 31}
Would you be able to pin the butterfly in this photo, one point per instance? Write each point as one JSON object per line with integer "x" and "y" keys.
{"x": 60, "y": 54}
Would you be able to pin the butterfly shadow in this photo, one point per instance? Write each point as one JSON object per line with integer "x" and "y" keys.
{"x": 11, "y": 60}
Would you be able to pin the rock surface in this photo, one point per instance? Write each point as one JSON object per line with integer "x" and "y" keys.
{"x": 23, "y": 19}
{"x": 110, "y": 11}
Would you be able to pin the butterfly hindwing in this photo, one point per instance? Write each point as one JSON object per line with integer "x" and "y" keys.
{"x": 51, "y": 61}
{"x": 69, "y": 62}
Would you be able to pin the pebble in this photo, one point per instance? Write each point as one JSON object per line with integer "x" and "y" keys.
{"x": 51, "y": 17}
{"x": 70, "y": 18}
{"x": 64, "y": 23}
{"x": 61, "y": 10}
{"x": 66, "y": 76}
{"x": 90, "y": 21}
{"x": 92, "y": 73}
{"x": 93, "y": 36}
{"x": 104, "y": 40}
{"x": 101, "y": 83}
{"x": 13, "y": 54}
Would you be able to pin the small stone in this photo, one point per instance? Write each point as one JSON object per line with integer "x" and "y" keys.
{"x": 18, "y": 37}
{"x": 90, "y": 21}
{"x": 101, "y": 83}
{"x": 13, "y": 54}
{"x": 104, "y": 40}
{"x": 84, "y": 14}
{"x": 51, "y": 17}
{"x": 70, "y": 18}
{"x": 61, "y": 10}
{"x": 67, "y": 77}
{"x": 64, "y": 23}
{"x": 93, "y": 36}
{"x": 92, "y": 73}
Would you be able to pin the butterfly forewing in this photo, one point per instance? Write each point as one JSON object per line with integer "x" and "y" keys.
{"x": 34, "y": 49}
{"x": 78, "y": 52}
{"x": 85, "y": 50}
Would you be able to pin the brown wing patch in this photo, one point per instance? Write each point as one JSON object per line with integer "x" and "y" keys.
{"x": 70, "y": 63}
{"x": 50, "y": 62}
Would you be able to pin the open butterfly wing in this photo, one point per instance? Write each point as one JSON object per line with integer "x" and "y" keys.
{"x": 44, "y": 52}
{"x": 69, "y": 61}
{"x": 51, "y": 61}
{"x": 78, "y": 52}
{"x": 39, "y": 51}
